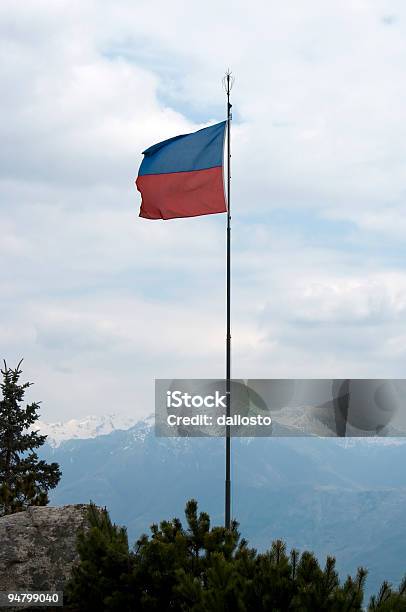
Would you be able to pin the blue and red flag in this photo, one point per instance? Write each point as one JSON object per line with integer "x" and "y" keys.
{"x": 183, "y": 176}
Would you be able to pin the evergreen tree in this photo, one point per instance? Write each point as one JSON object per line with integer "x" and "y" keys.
{"x": 24, "y": 478}
{"x": 388, "y": 599}
{"x": 100, "y": 582}
{"x": 199, "y": 568}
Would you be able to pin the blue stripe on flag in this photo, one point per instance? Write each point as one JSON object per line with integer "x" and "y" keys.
{"x": 197, "y": 151}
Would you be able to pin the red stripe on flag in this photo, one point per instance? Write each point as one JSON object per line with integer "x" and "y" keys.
{"x": 182, "y": 194}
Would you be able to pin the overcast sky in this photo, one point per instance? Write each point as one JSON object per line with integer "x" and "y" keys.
{"x": 100, "y": 302}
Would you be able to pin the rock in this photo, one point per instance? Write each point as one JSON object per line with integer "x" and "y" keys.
{"x": 38, "y": 547}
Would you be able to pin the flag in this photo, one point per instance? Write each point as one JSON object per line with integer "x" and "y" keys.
{"x": 183, "y": 176}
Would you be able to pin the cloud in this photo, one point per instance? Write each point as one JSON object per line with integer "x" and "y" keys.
{"x": 389, "y": 19}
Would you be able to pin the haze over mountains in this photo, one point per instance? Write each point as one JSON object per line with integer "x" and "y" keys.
{"x": 333, "y": 496}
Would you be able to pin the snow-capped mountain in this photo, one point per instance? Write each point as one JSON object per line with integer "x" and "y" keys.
{"x": 289, "y": 422}
{"x": 320, "y": 422}
{"x": 88, "y": 427}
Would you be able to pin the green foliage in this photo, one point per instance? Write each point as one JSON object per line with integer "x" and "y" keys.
{"x": 100, "y": 582}
{"x": 200, "y": 568}
{"x": 388, "y": 599}
{"x": 24, "y": 479}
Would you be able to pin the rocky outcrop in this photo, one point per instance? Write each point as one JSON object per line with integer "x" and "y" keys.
{"x": 38, "y": 547}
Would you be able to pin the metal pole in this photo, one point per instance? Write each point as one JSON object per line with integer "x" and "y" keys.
{"x": 228, "y": 82}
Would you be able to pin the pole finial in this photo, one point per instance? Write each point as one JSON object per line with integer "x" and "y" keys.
{"x": 228, "y": 81}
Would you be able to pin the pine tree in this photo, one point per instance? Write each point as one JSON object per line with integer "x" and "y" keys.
{"x": 24, "y": 478}
{"x": 389, "y": 600}
{"x": 199, "y": 568}
{"x": 100, "y": 581}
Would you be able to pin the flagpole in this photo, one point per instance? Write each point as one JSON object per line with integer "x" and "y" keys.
{"x": 228, "y": 83}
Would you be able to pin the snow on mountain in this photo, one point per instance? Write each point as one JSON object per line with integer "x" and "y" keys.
{"x": 317, "y": 421}
{"x": 287, "y": 422}
{"x": 88, "y": 427}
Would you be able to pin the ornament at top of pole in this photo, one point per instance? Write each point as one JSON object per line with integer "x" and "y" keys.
{"x": 228, "y": 81}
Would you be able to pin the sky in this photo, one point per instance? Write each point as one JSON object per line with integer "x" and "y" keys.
{"x": 100, "y": 302}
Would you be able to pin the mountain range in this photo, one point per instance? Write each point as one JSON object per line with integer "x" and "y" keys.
{"x": 88, "y": 427}
{"x": 334, "y": 496}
